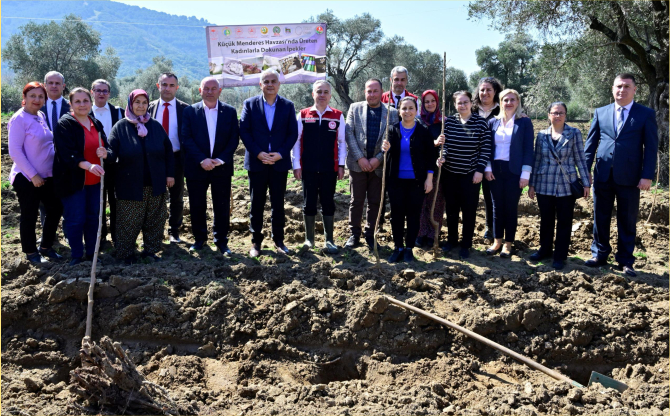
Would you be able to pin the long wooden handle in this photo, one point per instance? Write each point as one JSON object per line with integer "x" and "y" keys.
{"x": 381, "y": 204}
{"x": 504, "y": 350}
{"x": 436, "y": 237}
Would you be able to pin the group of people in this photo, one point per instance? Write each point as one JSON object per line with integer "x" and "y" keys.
{"x": 151, "y": 148}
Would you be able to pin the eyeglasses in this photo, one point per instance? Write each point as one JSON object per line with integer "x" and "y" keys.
{"x": 557, "y": 114}
{"x": 462, "y": 103}
{"x": 103, "y": 92}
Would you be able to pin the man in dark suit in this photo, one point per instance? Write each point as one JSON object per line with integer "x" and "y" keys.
{"x": 108, "y": 115}
{"x": 168, "y": 111}
{"x": 56, "y": 105}
{"x": 269, "y": 129}
{"x": 623, "y": 140}
{"x": 210, "y": 135}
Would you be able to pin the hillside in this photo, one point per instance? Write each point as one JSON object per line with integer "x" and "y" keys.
{"x": 179, "y": 38}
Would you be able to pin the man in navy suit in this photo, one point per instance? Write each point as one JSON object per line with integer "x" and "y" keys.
{"x": 210, "y": 135}
{"x": 56, "y": 105}
{"x": 108, "y": 115}
{"x": 623, "y": 140}
{"x": 168, "y": 111}
{"x": 269, "y": 129}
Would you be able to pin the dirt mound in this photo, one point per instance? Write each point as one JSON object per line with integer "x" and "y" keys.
{"x": 313, "y": 334}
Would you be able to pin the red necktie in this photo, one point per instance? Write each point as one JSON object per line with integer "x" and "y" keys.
{"x": 166, "y": 119}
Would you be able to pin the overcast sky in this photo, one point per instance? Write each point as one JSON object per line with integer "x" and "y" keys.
{"x": 440, "y": 26}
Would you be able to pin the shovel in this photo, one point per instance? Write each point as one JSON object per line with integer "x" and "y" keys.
{"x": 595, "y": 377}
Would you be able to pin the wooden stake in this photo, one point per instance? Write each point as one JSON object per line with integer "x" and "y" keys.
{"x": 381, "y": 205}
{"x": 91, "y": 286}
{"x": 436, "y": 241}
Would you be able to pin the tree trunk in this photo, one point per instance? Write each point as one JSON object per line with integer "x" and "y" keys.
{"x": 658, "y": 100}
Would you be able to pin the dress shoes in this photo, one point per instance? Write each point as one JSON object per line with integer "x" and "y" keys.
{"x": 282, "y": 249}
{"x": 50, "y": 253}
{"x": 407, "y": 254}
{"x": 539, "y": 255}
{"x": 152, "y": 256}
{"x": 223, "y": 248}
{"x": 255, "y": 250}
{"x": 595, "y": 262}
{"x": 174, "y": 238}
{"x": 396, "y": 256}
{"x": 197, "y": 246}
{"x": 352, "y": 242}
{"x": 492, "y": 251}
{"x": 506, "y": 254}
{"x": 419, "y": 241}
{"x": 488, "y": 235}
{"x": 558, "y": 264}
{"x": 464, "y": 253}
{"x": 628, "y": 270}
{"x": 447, "y": 247}
{"x": 76, "y": 260}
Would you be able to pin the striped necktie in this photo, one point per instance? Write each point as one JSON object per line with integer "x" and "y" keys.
{"x": 619, "y": 124}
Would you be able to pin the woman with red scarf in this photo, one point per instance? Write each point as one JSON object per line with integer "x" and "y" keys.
{"x": 432, "y": 118}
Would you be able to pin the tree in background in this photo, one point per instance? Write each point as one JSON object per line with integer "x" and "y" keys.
{"x": 512, "y": 62}
{"x": 147, "y": 78}
{"x": 70, "y": 47}
{"x": 635, "y": 31}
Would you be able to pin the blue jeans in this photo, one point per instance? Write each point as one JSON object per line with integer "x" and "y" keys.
{"x": 80, "y": 213}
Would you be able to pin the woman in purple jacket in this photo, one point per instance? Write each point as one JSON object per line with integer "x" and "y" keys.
{"x": 32, "y": 150}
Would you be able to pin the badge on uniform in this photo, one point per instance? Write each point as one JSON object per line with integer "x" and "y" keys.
{"x": 332, "y": 125}
{"x": 310, "y": 120}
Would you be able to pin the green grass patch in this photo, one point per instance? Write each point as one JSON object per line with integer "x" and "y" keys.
{"x": 640, "y": 255}
{"x": 5, "y": 185}
{"x": 343, "y": 187}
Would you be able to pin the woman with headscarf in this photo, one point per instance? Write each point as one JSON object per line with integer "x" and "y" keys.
{"x": 80, "y": 142}
{"x": 144, "y": 166}
{"x": 432, "y": 118}
{"x": 486, "y": 103}
{"x": 32, "y": 150}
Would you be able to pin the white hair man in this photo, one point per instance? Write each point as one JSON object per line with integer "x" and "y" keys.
{"x": 399, "y": 79}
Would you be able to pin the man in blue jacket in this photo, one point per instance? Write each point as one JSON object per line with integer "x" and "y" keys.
{"x": 269, "y": 129}
{"x": 623, "y": 140}
{"x": 210, "y": 135}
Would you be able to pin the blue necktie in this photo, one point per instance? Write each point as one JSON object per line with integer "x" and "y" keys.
{"x": 54, "y": 115}
{"x": 619, "y": 124}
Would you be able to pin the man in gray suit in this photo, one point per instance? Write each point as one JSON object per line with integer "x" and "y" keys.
{"x": 366, "y": 123}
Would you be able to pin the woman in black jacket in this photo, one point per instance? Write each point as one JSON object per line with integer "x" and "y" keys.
{"x": 409, "y": 174}
{"x": 77, "y": 139}
{"x": 144, "y": 166}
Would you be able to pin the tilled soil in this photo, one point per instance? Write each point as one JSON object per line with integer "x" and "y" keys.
{"x": 312, "y": 333}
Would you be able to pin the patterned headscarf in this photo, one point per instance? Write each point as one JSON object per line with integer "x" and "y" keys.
{"x": 138, "y": 121}
{"x": 435, "y": 116}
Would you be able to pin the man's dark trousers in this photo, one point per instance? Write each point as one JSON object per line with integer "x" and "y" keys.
{"x": 259, "y": 183}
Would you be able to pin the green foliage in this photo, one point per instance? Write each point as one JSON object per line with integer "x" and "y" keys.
{"x": 512, "y": 62}
{"x": 12, "y": 95}
{"x": 147, "y": 79}
{"x": 6, "y": 185}
{"x": 70, "y": 47}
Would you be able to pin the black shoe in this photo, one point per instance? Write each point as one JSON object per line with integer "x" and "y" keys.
{"x": 153, "y": 256}
{"x": 539, "y": 255}
{"x": 76, "y": 260}
{"x": 488, "y": 235}
{"x": 491, "y": 251}
{"x": 464, "y": 253}
{"x": 197, "y": 246}
{"x": 371, "y": 244}
{"x": 352, "y": 242}
{"x": 130, "y": 260}
{"x": 558, "y": 264}
{"x": 428, "y": 242}
{"x": 396, "y": 256}
{"x": 50, "y": 253}
{"x": 628, "y": 270}
{"x": 36, "y": 258}
{"x": 595, "y": 262}
{"x": 408, "y": 255}
{"x": 506, "y": 254}
{"x": 223, "y": 248}
{"x": 280, "y": 248}
{"x": 448, "y": 247}
{"x": 420, "y": 241}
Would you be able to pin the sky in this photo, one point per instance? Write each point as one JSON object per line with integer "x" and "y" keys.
{"x": 439, "y": 26}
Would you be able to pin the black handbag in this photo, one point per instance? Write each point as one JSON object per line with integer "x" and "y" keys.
{"x": 576, "y": 187}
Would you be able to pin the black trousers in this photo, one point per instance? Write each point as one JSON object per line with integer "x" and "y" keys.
{"x": 318, "y": 185}
{"x": 197, "y": 197}
{"x": 556, "y": 211}
{"x": 627, "y": 207}
{"x": 505, "y": 193}
{"x": 461, "y": 197}
{"x": 488, "y": 204}
{"x": 29, "y": 201}
{"x": 259, "y": 183}
{"x": 406, "y": 197}
{"x": 108, "y": 196}
{"x": 176, "y": 217}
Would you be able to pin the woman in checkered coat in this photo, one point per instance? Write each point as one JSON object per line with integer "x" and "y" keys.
{"x": 551, "y": 186}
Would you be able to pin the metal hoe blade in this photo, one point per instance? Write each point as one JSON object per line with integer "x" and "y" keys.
{"x": 607, "y": 382}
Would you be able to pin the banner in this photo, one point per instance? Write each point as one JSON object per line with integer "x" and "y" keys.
{"x": 238, "y": 54}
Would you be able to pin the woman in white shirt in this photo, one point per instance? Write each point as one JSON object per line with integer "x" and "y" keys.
{"x": 509, "y": 169}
